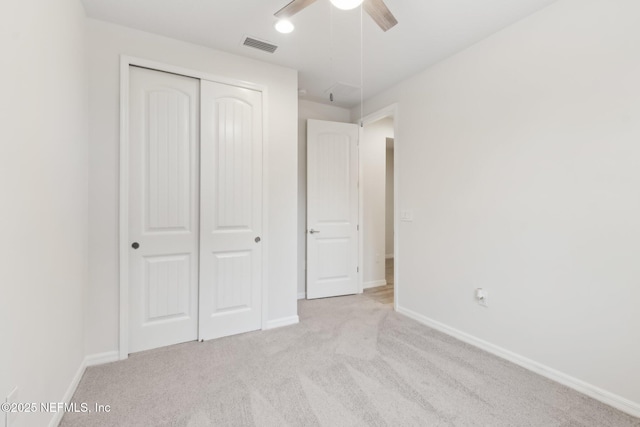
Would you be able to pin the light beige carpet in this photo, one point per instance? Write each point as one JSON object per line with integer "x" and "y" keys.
{"x": 350, "y": 362}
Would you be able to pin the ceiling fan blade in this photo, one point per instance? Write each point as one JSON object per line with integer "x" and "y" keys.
{"x": 380, "y": 13}
{"x": 292, "y": 8}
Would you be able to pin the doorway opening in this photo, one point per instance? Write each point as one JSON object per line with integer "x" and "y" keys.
{"x": 376, "y": 155}
{"x": 350, "y": 248}
{"x": 379, "y": 254}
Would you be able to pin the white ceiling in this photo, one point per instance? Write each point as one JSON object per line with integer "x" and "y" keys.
{"x": 325, "y": 46}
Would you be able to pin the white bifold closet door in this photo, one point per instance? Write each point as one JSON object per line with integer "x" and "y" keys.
{"x": 231, "y": 211}
{"x": 195, "y": 209}
{"x": 163, "y": 208}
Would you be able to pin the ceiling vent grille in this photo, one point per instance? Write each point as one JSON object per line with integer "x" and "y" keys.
{"x": 259, "y": 44}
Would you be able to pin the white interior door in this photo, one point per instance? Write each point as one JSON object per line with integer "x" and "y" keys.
{"x": 163, "y": 209}
{"x": 231, "y": 210}
{"x": 332, "y": 209}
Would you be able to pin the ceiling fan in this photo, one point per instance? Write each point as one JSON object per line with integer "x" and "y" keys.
{"x": 375, "y": 8}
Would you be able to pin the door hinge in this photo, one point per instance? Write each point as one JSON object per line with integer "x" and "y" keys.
{"x": 357, "y": 269}
{"x": 358, "y": 227}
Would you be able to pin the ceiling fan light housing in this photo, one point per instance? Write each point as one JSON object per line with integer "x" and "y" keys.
{"x": 346, "y": 4}
{"x": 284, "y": 26}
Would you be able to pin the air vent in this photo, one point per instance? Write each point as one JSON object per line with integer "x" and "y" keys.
{"x": 259, "y": 44}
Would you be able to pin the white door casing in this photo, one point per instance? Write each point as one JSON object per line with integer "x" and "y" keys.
{"x": 163, "y": 208}
{"x": 332, "y": 209}
{"x": 231, "y": 210}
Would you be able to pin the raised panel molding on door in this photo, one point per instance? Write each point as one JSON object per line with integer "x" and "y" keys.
{"x": 332, "y": 209}
{"x": 163, "y": 208}
{"x": 231, "y": 210}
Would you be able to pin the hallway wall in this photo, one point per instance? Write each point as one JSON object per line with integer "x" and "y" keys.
{"x": 43, "y": 220}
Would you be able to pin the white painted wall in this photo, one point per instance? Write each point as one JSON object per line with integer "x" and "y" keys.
{"x": 389, "y": 214}
{"x": 309, "y": 110}
{"x": 373, "y": 148}
{"x": 105, "y": 44}
{"x": 43, "y": 219}
{"x": 520, "y": 160}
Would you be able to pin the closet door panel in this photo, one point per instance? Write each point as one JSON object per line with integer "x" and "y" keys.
{"x": 163, "y": 208}
{"x": 231, "y": 210}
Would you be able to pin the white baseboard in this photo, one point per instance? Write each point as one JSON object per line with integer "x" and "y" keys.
{"x": 57, "y": 417}
{"x": 388, "y": 256}
{"x": 285, "y": 321}
{"x": 302, "y": 295}
{"x": 102, "y": 358}
{"x": 374, "y": 284}
{"x": 91, "y": 360}
{"x": 604, "y": 396}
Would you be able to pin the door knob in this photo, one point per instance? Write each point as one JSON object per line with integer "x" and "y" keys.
{"x": 135, "y": 245}
{"x": 257, "y": 239}
{"x": 312, "y": 231}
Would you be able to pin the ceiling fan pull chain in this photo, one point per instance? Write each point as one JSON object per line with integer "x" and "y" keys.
{"x": 361, "y": 70}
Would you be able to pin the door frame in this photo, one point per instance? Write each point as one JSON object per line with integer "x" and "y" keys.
{"x": 389, "y": 111}
{"x": 123, "y": 244}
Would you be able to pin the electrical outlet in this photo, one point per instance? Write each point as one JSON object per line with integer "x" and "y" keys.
{"x": 10, "y": 419}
